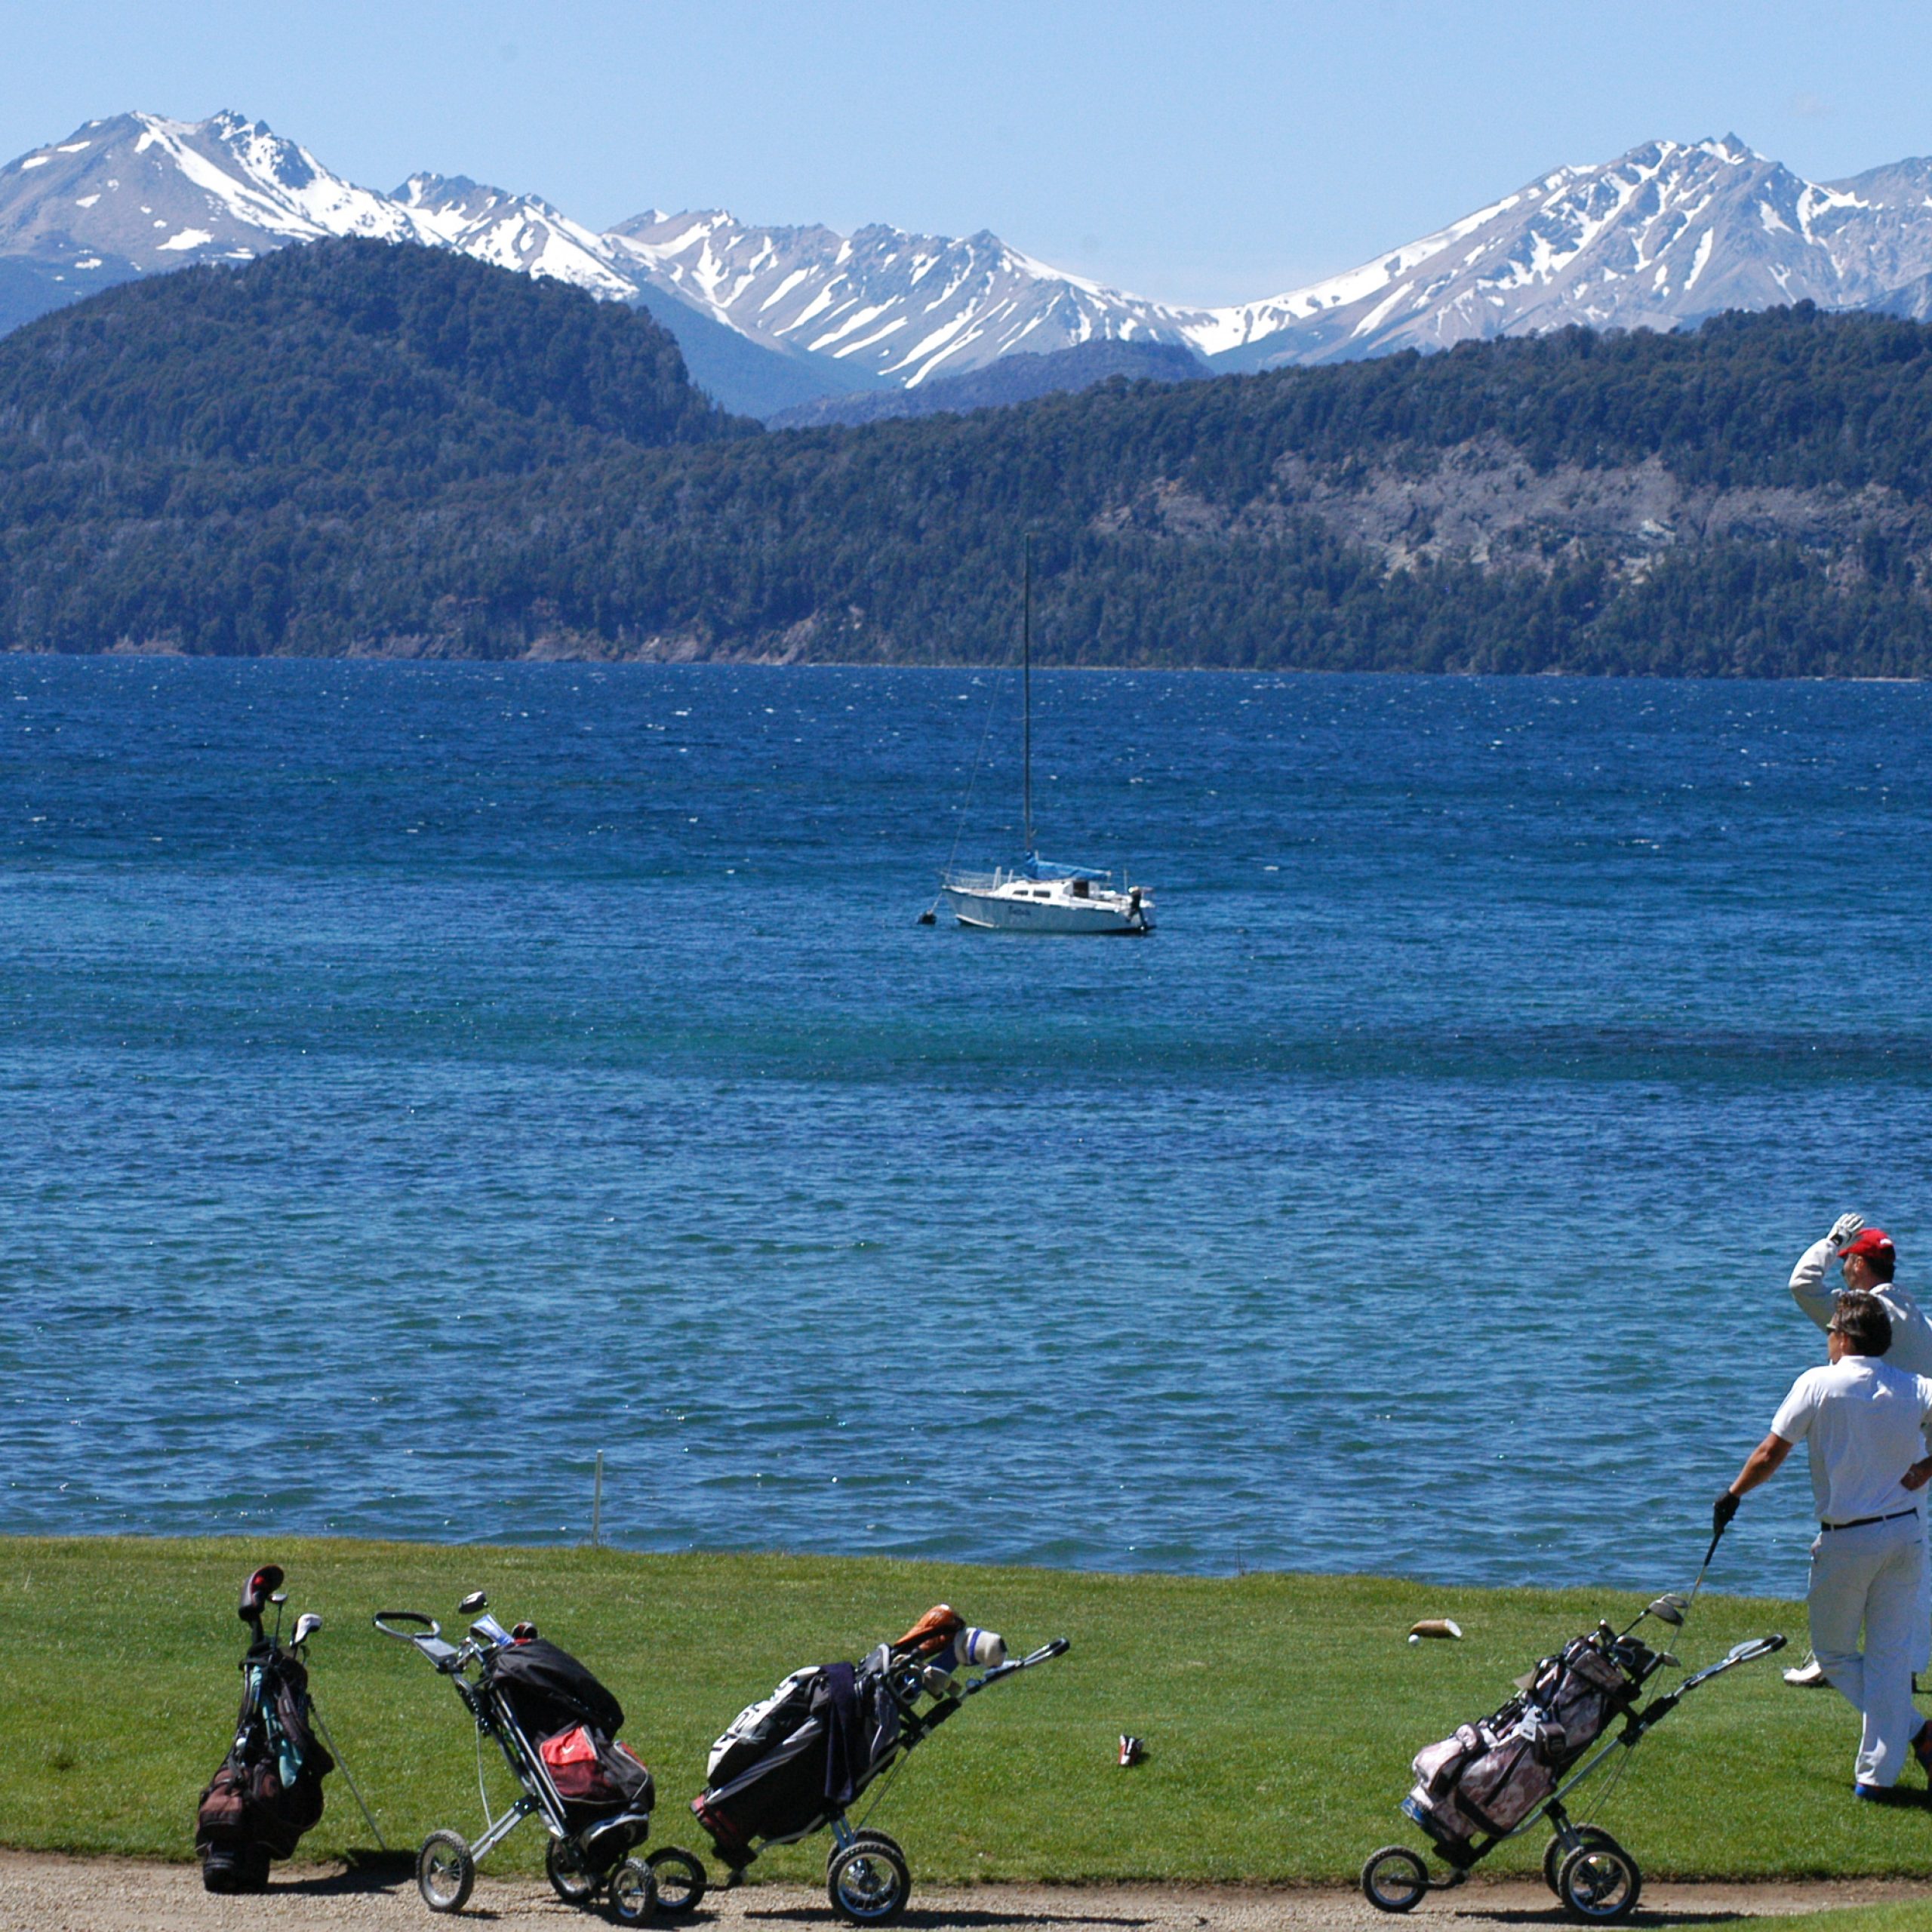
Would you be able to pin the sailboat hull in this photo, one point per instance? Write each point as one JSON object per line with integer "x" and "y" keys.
{"x": 1021, "y": 908}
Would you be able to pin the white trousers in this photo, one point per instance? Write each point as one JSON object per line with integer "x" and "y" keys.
{"x": 1869, "y": 1577}
{"x": 1922, "y": 1640}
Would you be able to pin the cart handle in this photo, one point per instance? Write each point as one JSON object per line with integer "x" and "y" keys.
{"x": 1749, "y": 1651}
{"x": 1055, "y": 1648}
{"x": 388, "y": 1621}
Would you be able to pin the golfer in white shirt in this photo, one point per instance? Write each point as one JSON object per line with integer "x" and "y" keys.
{"x": 1861, "y": 1419}
{"x": 1866, "y": 1259}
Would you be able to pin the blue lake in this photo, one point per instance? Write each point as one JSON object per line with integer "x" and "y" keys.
{"x": 418, "y": 1078}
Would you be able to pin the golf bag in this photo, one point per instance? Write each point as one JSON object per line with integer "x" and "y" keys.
{"x": 548, "y": 1690}
{"x": 788, "y": 1763}
{"x": 575, "y": 1721}
{"x": 1490, "y": 1776}
{"x": 269, "y": 1790}
{"x": 792, "y": 1762}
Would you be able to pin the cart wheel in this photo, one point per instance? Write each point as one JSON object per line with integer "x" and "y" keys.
{"x": 445, "y": 1872}
{"x": 1598, "y": 1883}
{"x": 1394, "y": 1878}
{"x": 633, "y": 1893}
{"x": 1556, "y": 1851}
{"x": 566, "y": 1870}
{"x": 867, "y": 1881}
{"x": 681, "y": 1880}
{"x": 884, "y": 1839}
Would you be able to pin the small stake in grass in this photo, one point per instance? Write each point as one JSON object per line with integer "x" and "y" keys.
{"x": 1133, "y": 1751}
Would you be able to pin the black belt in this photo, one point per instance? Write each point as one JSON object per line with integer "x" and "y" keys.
{"x": 1858, "y": 1522}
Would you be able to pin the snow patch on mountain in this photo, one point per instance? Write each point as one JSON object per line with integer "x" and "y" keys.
{"x": 1661, "y": 235}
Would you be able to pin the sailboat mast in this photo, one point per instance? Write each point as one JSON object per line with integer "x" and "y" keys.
{"x": 1026, "y": 696}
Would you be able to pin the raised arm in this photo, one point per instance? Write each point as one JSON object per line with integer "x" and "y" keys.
{"x": 1808, "y": 1287}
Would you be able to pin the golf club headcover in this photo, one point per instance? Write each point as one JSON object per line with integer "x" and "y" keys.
{"x": 982, "y": 1647}
{"x": 256, "y": 1592}
{"x": 933, "y": 1633}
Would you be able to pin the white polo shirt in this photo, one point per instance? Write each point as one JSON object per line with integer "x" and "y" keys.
{"x": 1861, "y": 1419}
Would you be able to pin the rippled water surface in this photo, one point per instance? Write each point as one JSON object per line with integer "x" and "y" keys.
{"x": 417, "y": 1079}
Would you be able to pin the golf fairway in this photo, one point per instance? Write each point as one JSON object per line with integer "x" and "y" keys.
{"x": 1279, "y": 1710}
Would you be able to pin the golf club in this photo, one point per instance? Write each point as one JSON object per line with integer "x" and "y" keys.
{"x": 280, "y": 1597}
{"x": 1716, "y": 1538}
{"x": 255, "y": 1594}
{"x": 1668, "y": 1609}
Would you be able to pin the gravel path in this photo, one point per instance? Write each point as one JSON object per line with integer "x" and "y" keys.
{"x": 39, "y": 1893}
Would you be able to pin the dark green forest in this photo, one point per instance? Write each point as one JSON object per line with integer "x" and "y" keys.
{"x": 356, "y": 448}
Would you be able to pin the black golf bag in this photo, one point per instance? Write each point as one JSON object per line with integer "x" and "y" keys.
{"x": 791, "y": 1763}
{"x": 1490, "y": 1776}
{"x": 549, "y": 1690}
{"x": 269, "y": 1790}
{"x": 573, "y": 1721}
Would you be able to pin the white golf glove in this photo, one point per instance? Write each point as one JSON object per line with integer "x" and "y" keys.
{"x": 1846, "y": 1227}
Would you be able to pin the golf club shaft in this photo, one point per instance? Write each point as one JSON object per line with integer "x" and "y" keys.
{"x": 1716, "y": 1539}
{"x": 342, "y": 1765}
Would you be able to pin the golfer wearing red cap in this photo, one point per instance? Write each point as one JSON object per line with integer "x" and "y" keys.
{"x": 1866, "y": 1258}
{"x": 1863, "y": 1421}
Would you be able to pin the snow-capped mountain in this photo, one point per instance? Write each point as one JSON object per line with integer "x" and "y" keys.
{"x": 1665, "y": 234}
{"x": 139, "y": 193}
{"x": 903, "y": 307}
{"x": 512, "y": 231}
{"x": 143, "y": 194}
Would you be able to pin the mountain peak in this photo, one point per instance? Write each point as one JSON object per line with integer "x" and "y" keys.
{"x": 1661, "y": 234}
{"x": 1730, "y": 148}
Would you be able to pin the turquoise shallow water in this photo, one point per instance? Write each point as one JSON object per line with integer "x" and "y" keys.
{"x": 418, "y": 1079}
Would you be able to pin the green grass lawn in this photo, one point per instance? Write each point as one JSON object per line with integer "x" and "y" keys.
{"x": 1281, "y": 1711}
{"x": 1904, "y": 1915}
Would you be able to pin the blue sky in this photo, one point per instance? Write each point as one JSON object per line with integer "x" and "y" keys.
{"x": 1197, "y": 150}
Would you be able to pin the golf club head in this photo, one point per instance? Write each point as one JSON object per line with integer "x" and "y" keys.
{"x": 1669, "y": 1608}
{"x": 280, "y": 1597}
{"x": 476, "y": 1600}
{"x": 307, "y": 1625}
{"x": 255, "y": 1592}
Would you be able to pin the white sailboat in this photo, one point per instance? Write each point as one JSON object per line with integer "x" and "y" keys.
{"x": 1037, "y": 896}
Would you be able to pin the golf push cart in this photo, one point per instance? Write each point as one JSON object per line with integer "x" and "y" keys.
{"x": 556, "y": 1727}
{"x": 792, "y": 1763}
{"x": 1496, "y": 1779}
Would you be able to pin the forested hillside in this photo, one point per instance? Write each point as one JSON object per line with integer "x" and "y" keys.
{"x": 354, "y": 448}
